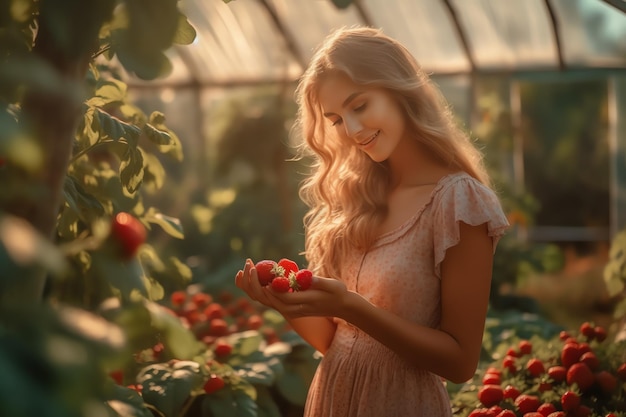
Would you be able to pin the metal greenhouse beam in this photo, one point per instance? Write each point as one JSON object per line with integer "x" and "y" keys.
{"x": 290, "y": 41}
{"x": 461, "y": 33}
{"x": 618, "y": 4}
{"x": 557, "y": 35}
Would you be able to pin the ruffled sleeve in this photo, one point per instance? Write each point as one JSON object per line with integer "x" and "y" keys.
{"x": 464, "y": 200}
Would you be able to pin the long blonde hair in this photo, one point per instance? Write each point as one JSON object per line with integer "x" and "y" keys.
{"x": 346, "y": 191}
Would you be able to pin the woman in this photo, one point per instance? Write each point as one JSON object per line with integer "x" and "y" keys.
{"x": 400, "y": 234}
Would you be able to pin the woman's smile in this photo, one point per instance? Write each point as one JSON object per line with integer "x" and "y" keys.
{"x": 370, "y": 140}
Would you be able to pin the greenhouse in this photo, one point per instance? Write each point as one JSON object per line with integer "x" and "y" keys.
{"x": 148, "y": 149}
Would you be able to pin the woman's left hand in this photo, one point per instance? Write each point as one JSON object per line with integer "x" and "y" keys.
{"x": 325, "y": 298}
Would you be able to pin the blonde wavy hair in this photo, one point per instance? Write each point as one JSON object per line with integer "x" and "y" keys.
{"x": 346, "y": 192}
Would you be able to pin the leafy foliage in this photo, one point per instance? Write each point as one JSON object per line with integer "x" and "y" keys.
{"x": 615, "y": 273}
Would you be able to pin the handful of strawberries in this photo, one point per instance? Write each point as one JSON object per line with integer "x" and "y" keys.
{"x": 284, "y": 275}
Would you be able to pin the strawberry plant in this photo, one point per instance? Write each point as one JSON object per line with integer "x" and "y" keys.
{"x": 569, "y": 374}
{"x": 615, "y": 274}
{"x": 245, "y": 360}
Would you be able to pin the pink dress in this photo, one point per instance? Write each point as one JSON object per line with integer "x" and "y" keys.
{"x": 360, "y": 377}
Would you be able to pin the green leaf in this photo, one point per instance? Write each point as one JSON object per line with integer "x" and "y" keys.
{"x": 246, "y": 343}
{"x": 293, "y": 387}
{"x": 231, "y": 404}
{"x": 170, "y": 225}
{"x": 154, "y": 289}
{"x": 86, "y": 206}
{"x": 90, "y": 129}
{"x": 131, "y": 169}
{"x": 157, "y": 136}
{"x": 114, "y": 128}
{"x": 125, "y": 276}
{"x": 153, "y": 173}
{"x": 111, "y": 91}
{"x": 185, "y": 32}
{"x": 180, "y": 340}
{"x": 266, "y": 403}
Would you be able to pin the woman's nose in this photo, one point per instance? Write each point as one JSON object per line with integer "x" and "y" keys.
{"x": 353, "y": 126}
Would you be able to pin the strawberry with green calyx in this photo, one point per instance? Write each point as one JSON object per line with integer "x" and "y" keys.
{"x": 288, "y": 266}
{"x": 267, "y": 270}
{"x": 301, "y": 280}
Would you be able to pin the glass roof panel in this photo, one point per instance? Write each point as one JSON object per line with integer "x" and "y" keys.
{"x": 508, "y": 34}
{"x": 307, "y": 22}
{"x": 425, "y": 28}
{"x": 593, "y": 33}
{"x": 237, "y": 41}
{"x": 251, "y": 41}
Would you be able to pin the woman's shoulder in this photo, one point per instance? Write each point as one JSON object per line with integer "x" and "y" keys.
{"x": 460, "y": 182}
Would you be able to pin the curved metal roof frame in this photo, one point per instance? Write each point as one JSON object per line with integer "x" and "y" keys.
{"x": 259, "y": 41}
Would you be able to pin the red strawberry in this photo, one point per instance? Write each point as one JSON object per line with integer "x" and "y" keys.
{"x": 280, "y": 284}
{"x": 506, "y": 413}
{"x": 266, "y": 270}
{"x": 600, "y": 333}
{"x": 289, "y": 266}
{"x": 584, "y": 347}
{"x": 495, "y": 410}
{"x": 607, "y": 381}
{"x": 587, "y": 330}
{"x": 214, "y": 311}
{"x": 118, "y": 376}
{"x": 201, "y": 299}
{"x": 570, "y": 354}
{"x": 525, "y": 347}
{"x": 480, "y": 412}
{"x": 490, "y": 395}
{"x": 178, "y": 298}
{"x": 546, "y": 409}
{"x": 591, "y": 360}
{"x": 223, "y": 349}
{"x": 570, "y": 401}
{"x": 509, "y": 363}
{"x": 563, "y": 335}
{"x": 255, "y": 322}
{"x": 580, "y": 374}
{"x": 535, "y": 367}
{"x": 214, "y": 383}
{"x": 582, "y": 411}
{"x": 512, "y": 352}
{"x": 218, "y": 327}
{"x": 128, "y": 233}
{"x": 491, "y": 379}
{"x": 533, "y": 414}
{"x": 511, "y": 392}
{"x": 527, "y": 403}
{"x": 303, "y": 279}
{"x": 621, "y": 371}
{"x": 557, "y": 373}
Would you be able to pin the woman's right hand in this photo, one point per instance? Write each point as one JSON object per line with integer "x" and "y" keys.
{"x": 248, "y": 280}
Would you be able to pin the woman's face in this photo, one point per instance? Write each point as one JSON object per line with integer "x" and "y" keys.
{"x": 369, "y": 118}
